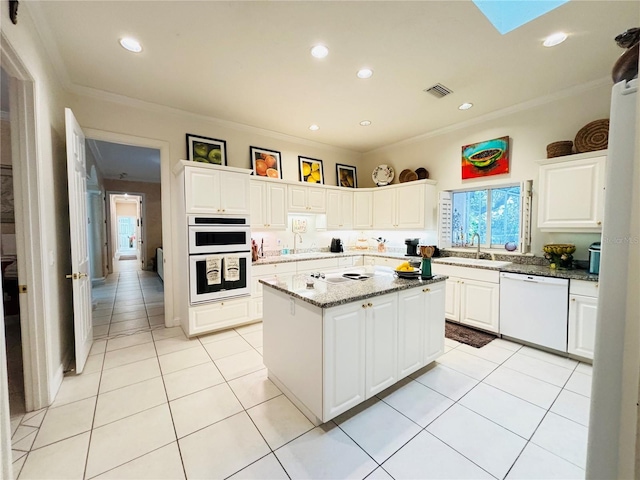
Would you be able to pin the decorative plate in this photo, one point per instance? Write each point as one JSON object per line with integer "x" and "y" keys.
{"x": 408, "y": 274}
{"x": 382, "y": 175}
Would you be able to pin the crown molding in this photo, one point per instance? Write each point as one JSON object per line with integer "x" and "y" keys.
{"x": 49, "y": 43}
{"x": 165, "y": 109}
{"x": 503, "y": 112}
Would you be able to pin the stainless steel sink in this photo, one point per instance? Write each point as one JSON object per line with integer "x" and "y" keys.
{"x": 335, "y": 279}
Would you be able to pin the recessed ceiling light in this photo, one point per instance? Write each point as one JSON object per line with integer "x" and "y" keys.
{"x": 131, "y": 44}
{"x": 555, "y": 39}
{"x": 319, "y": 51}
{"x": 465, "y": 106}
{"x": 314, "y": 127}
{"x": 365, "y": 73}
{"x": 365, "y": 123}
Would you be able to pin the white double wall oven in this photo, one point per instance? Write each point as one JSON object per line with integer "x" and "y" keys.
{"x": 219, "y": 257}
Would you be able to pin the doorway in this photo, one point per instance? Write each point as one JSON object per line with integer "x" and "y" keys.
{"x": 127, "y": 232}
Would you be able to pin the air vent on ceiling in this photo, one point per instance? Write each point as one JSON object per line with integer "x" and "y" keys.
{"x": 438, "y": 90}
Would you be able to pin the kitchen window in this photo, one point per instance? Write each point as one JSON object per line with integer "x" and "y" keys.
{"x": 498, "y": 215}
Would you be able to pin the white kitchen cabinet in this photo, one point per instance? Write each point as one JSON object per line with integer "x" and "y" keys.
{"x": 472, "y": 295}
{"x": 479, "y": 304}
{"x": 405, "y": 206}
{"x": 259, "y": 272}
{"x": 218, "y": 315}
{"x": 306, "y": 199}
{"x": 381, "y": 345}
{"x": 268, "y": 205}
{"x": 420, "y": 327}
{"x": 213, "y": 191}
{"x": 571, "y": 193}
{"x": 382, "y": 261}
{"x": 362, "y": 210}
{"x": 344, "y": 358}
{"x": 583, "y": 307}
{"x": 339, "y": 210}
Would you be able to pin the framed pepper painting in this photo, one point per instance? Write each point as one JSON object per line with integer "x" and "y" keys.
{"x": 482, "y": 159}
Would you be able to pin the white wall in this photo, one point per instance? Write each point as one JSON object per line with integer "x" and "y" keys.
{"x": 52, "y": 193}
{"x": 530, "y": 131}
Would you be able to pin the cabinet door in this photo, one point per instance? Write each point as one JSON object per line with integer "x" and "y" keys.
{"x": 334, "y": 212}
{"x": 202, "y": 190}
{"x": 346, "y": 208}
{"x": 384, "y": 206}
{"x": 410, "y": 206}
{"x": 317, "y": 199}
{"x": 452, "y": 299}
{"x": 479, "y": 304}
{"x": 234, "y": 193}
{"x": 344, "y": 358}
{"x": 582, "y": 325}
{"x": 297, "y": 196}
{"x": 381, "y": 364}
{"x": 219, "y": 315}
{"x": 276, "y": 207}
{"x": 362, "y": 210}
{"x": 258, "y": 205}
{"x": 410, "y": 331}
{"x": 572, "y": 195}
{"x": 434, "y": 322}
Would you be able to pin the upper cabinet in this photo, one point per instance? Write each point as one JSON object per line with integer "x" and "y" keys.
{"x": 406, "y": 206}
{"x": 362, "y": 209}
{"x": 210, "y": 190}
{"x": 268, "y": 205}
{"x": 571, "y": 193}
{"x": 340, "y": 210}
{"x": 306, "y": 199}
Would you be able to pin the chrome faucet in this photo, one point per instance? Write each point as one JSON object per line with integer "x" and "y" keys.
{"x": 295, "y": 237}
{"x": 472, "y": 239}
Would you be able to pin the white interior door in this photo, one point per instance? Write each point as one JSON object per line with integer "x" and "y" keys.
{"x": 78, "y": 220}
{"x": 139, "y": 237}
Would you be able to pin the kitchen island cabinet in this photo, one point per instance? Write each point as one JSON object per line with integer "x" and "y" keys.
{"x": 334, "y": 346}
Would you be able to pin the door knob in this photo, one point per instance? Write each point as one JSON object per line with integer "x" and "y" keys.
{"x": 72, "y": 276}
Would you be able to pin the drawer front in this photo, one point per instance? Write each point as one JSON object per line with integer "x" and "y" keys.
{"x": 346, "y": 261}
{"x": 273, "y": 269}
{"x": 470, "y": 273}
{"x": 313, "y": 265}
{"x": 582, "y": 287}
{"x": 218, "y": 316}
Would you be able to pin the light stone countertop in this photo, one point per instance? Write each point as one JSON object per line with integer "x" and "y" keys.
{"x": 326, "y": 295}
{"x": 514, "y": 267}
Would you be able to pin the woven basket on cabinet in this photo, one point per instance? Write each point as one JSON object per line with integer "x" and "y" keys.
{"x": 593, "y": 136}
{"x": 559, "y": 149}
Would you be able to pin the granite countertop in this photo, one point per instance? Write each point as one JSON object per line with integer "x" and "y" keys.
{"x": 326, "y": 295}
{"x": 298, "y": 257}
{"x": 545, "y": 271}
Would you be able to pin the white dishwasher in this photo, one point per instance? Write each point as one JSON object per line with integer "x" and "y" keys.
{"x": 534, "y": 309}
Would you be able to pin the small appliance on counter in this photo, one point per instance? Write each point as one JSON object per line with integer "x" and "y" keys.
{"x": 412, "y": 247}
{"x": 336, "y": 245}
{"x": 594, "y": 258}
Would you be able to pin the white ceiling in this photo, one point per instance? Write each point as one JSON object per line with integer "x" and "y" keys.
{"x": 249, "y": 62}
{"x": 136, "y": 163}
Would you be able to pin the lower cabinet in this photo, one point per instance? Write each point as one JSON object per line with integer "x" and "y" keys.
{"x": 472, "y": 296}
{"x": 370, "y": 345}
{"x": 583, "y": 307}
{"x": 219, "y": 315}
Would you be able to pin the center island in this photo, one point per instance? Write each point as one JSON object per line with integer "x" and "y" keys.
{"x": 332, "y": 345}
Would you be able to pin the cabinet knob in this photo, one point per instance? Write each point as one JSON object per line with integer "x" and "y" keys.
{"x": 369, "y": 305}
{"x": 573, "y": 299}
{"x": 222, "y": 304}
{"x": 364, "y": 305}
{"x": 461, "y": 282}
{"x": 599, "y": 223}
{"x": 596, "y": 285}
{"x": 426, "y": 290}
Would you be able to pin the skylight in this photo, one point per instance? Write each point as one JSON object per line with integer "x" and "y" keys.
{"x": 507, "y": 15}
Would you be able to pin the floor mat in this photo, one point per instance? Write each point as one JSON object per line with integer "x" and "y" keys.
{"x": 469, "y": 336}
{"x": 128, "y": 257}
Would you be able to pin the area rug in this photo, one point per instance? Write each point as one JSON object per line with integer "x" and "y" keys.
{"x": 128, "y": 257}
{"x": 469, "y": 336}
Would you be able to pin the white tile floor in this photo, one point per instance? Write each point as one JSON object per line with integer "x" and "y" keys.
{"x": 162, "y": 406}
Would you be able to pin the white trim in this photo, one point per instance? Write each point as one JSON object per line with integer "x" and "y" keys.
{"x": 5, "y": 116}
{"x": 31, "y": 266}
{"x": 112, "y": 233}
{"x": 167, "y": 205}
{"x": 6, "y": 466}
{"x": 503, "y": 112}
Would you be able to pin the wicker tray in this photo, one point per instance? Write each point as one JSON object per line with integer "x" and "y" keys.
{"x": 593, "y": 136}
{"x": 559, "y": 149}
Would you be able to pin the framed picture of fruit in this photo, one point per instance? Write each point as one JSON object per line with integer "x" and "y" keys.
{"x": 310, "y": 170}
{"x": 482, "y": 159}
{"x": 265, "y": 163}
{"x": 206, "y": 150}
{"x": 346, "y": 175}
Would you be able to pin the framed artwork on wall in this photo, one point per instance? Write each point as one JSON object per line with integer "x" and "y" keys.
{"x": 265, "y": 163}
{"x": 482, "y": 159}
{"x": 346, "y": 176}
{"x": 310, "y": 170}
{"x": 206, "y": 150}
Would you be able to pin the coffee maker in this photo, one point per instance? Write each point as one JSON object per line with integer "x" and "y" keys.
{"x": 336, "y": 245}
{"x": 412, "y": 247}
